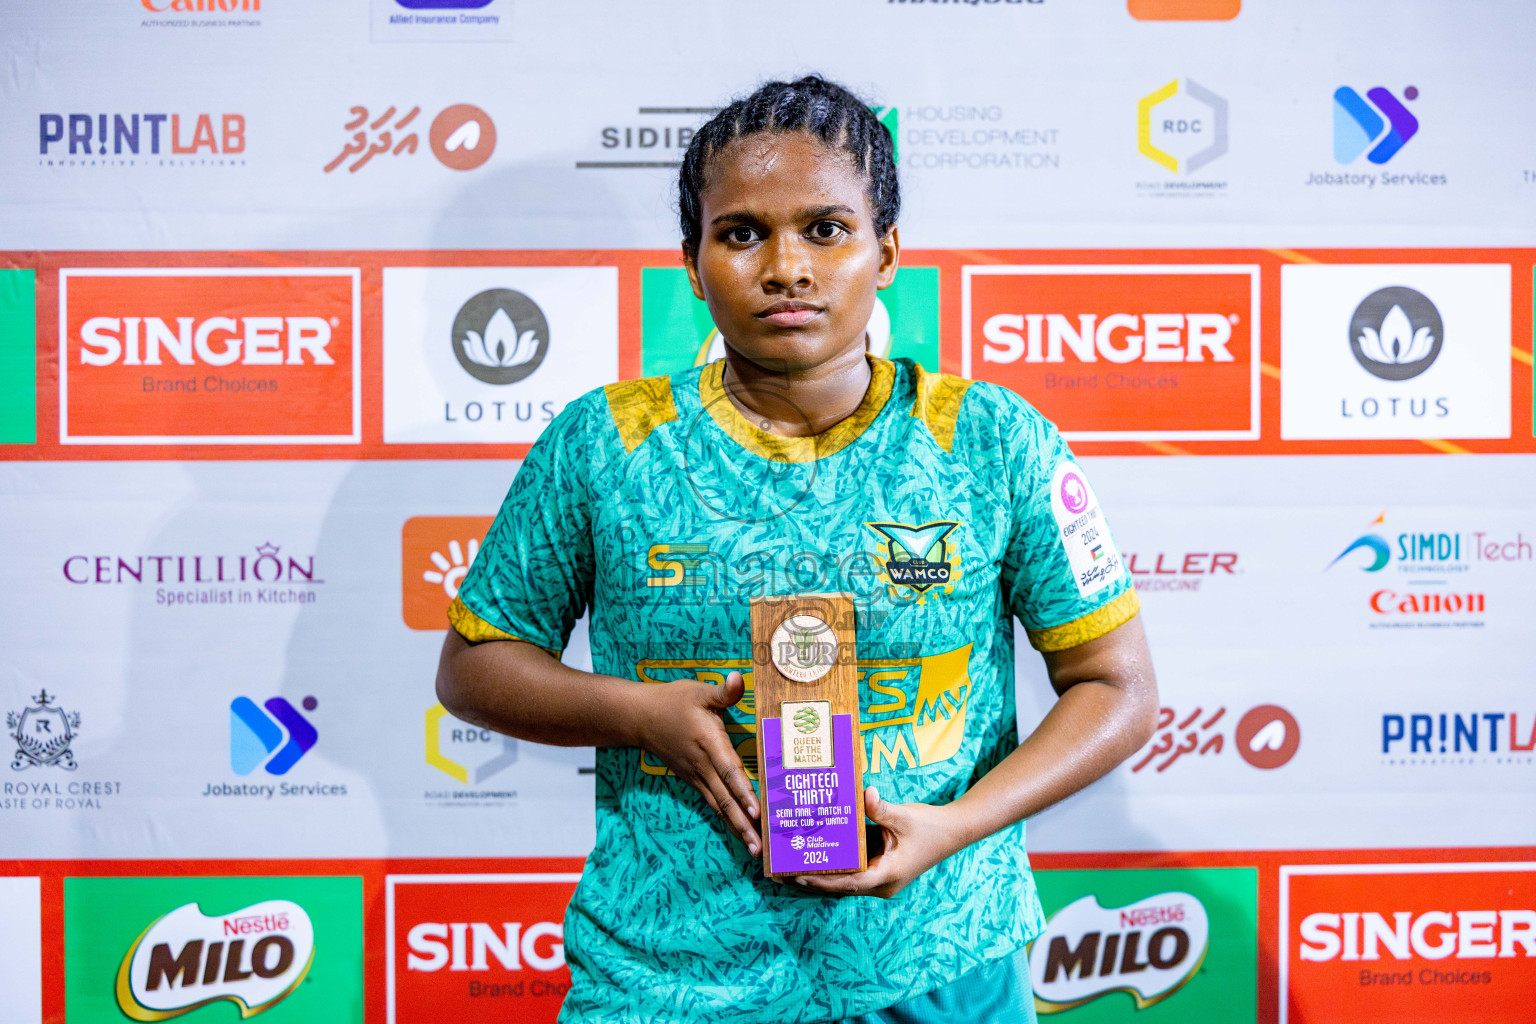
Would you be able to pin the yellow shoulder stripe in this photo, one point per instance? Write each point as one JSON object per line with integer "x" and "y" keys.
{"x": 1090, "y": 627}
{"x": 476, "y": 630}
{"x": 639, "y": 407}
{"x": 938, "y": 404}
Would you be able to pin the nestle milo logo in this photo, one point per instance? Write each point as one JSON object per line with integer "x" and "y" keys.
{"x": 1148, "y": 949}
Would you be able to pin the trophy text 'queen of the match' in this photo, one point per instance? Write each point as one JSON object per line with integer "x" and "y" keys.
{"x": 810, "y": 754}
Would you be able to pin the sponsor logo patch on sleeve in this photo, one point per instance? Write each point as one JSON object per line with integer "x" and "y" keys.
{"x": 1083, "y": 532}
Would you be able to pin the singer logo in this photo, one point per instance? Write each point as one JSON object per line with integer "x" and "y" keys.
{"x": 1121, "y": 352}
{"x": 209, "y": 356}
{"x": 1407, "y": 942}
{"x": 253, "y": 958}
{"x": 472, "y": 948}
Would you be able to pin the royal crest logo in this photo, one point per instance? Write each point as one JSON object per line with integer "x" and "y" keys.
{"x": 918, "y": 557}
{"x": 43, "y": 734}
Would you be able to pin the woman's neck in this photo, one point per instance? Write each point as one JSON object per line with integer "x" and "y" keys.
{"x": 800, "y": 403}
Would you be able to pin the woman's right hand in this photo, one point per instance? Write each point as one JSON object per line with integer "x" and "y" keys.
{"x": 682, "y": 725}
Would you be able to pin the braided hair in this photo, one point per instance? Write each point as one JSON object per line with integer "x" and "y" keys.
{"x": 811, "y": 104}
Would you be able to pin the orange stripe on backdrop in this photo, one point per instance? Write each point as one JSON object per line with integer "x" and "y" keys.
{"x": 1445, "y": 446}
{"x": 629, "y": 265}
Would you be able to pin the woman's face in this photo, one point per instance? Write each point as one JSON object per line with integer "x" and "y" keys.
{"x": 789, "y": 261}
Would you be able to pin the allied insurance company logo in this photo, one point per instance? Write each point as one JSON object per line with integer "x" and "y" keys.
{"x": 1120, "y": 352}
{"x": 210, "y": 355}
{"x": 461, "y": 136}
{"x": 1376, "y": 125}
{"x": 1148, "y": 949}
{"x": 477, "y": 949}
{"x": 1407, "y": 942}
{"x": 254, "y": 958}
{"x": 274, "y": 739}
{"x": 127, "y": 139}
{"x": 1266, "y": 737}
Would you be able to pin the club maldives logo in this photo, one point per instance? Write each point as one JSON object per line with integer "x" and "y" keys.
{"x": 461, "y": 136}
{"x": 274, "y": 739}
{"x": 500, "y": 336}
{"x": 1181, "y": 126}
{"x": 1148, "y": 949}
{"x": 1396, "y": 333}
{"x": 1377, "y": 123}
{"x": 43, "y": 733}
{"x": 918, "y": 557}
{"x": 435, "y": 555}
{"x": 255, "y": 958}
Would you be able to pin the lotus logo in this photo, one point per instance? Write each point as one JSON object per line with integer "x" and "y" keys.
{"x": 254, "y": 958}
{"x": 500, "y": 336}
{"x": 1396, "y": 333}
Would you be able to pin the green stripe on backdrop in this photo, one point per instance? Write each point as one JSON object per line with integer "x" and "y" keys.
{"x": 18, "y": 357}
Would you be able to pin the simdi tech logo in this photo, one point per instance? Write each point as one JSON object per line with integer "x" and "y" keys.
{"x": 154, "y": 949}
{"x": 476, "y": 948}
{"x": 210, "y": 355}
{"x": 1407, "y": 943}
{"x": 435, "y": 555}
{"x": 677, "y": 332}
{"x": 1123, "y": 352}
{"x": 1394, "y": 351}
{"x": 1120, "y": 942}
{"x": 493, "y": 354}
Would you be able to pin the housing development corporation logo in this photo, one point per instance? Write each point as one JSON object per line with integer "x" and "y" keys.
{"x": 273, "y": 739}
{"x": 141, "y": 140}
{"x": 476, "y": 949}
{"x": 1407, "y": 942}
{"x": 1377, "y": 127}
{"x": 461, "y": 136}
{"x": 1396, "y": 333}
{"x": 43, "y": 733}
{"x": 1120, "y": 352}
{"x": 500, "y": 336}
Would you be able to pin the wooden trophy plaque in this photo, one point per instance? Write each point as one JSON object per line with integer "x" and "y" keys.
{"x": 810, "y": 753}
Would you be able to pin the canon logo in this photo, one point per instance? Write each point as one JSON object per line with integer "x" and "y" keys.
{"x": 467, "y": 946}
{"x": 1163, "y": 338}
{"x": 1390, "y": 602}
{"x": 1432, "y": 935}
{"x": 216, "y": 341}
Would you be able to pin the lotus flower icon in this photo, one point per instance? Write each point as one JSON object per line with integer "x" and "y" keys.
{"x": 1396, "y": 333}
{"x": 501, "y": 345}
{"x": 500, "y": 336}
{"x": 1397, "y": 341}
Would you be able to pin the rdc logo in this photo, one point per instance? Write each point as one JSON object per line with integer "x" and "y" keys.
{"x": 1396, "y": 333}
{"x": 500, "y": 336}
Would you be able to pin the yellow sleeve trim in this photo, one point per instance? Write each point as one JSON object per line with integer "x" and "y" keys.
{"x": 1090, "y": 627}
{"x": 639, "y": 407}
{"x": 938, "y": 404}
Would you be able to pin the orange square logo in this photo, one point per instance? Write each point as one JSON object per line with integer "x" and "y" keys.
{"x": 1184, "y": 10}
{"x": 1407, "y": 943}
{"x": 1120, "y": 353}
{"x": 435, "y": 555}
{"x": 473, "y": 948}
{"x": 209, "y": 356}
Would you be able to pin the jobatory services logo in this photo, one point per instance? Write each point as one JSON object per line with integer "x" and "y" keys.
{"x": 1120, "y": 942}
{"x": 476, "y": 948}
{"x": 492, "y": 354}
{"x": 462, "y": 137}
{"x": 1120, "y": 352}
{"x": 1407, "y": 942}
{"x": 272, "y": 739}
{"x": 677, "y": 332}
{"x": 141, "y": 140}
{"x": 1394, "y": 351}
{"x": 205, "y": 355}
{"x": 1266, "y": 737}
{"x": 1376, "y": 127}
{"x": 1460, "y": 737}
{"x": 435, "y": 555}
{"x": 154, "y": 949}
{"x": 1182, "y": 127}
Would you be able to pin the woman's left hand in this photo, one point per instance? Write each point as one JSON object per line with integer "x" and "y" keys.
{"x": 917, "y": 836}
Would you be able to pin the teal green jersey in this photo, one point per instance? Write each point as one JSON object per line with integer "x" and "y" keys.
{"x": 946, "y": 509}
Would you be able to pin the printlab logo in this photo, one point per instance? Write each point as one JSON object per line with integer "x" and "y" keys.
{"x": 1182, "y": 128}
{"x": 1467, "y": 738}
{"x": 462, "y": 137}
{"x": 1378, "y": 123}
{"x": 1396, "y": 333}
{"x": 121, "y": 140}
{"x": 43, "y": 733}
{"x": 275, "y": 739}
{"x": 500, "y": 336}
{"x": 1266, "y": 737}
{"x": 918, "y": 557}
{"x": 465, "y": 752}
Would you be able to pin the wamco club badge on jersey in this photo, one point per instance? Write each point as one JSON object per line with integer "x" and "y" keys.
{"x": 918, "y": 559}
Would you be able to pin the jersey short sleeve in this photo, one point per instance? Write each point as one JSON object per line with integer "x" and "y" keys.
{"x": 533, "y": 576}
{"x": 1062, "y": 575}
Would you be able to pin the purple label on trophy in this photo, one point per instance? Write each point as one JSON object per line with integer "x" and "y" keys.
{"x": 812, "y": 814}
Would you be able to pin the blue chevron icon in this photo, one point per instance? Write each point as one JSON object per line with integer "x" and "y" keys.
{"x": 276, "y": 737}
